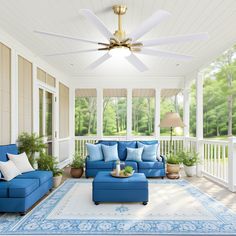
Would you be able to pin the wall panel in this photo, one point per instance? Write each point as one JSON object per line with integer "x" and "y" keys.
{"x": 5, "y": 94}
{"x": 25, "y": 79}
{"x": 63, "y": 111}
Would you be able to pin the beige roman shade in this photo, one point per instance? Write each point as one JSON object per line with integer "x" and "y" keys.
{"x": 25, "y": 116}
{"x": 46, "y": 78}
{"x": 63, "y": 111}
{"x": 5, "y": 94}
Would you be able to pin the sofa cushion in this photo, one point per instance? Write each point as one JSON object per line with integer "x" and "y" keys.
{"x": 150, "y": 165}
{"x": 149, "y": 142}
{"x": 122, "y": 148}
{"x": 22, "y": 188}
{"x": 9, "y": 170}
{"x": 4, "y": 188}
{"x": 41, "y": 175}
{"x": 4, "y": 149}
{"x": 110, "y": 153}
{"x": 94, "y": 152}
{"x": 107, "y": 142}
{"x": 134, "y": 154}
{"x": 133, "y": 164}
{"x": 21, "y": 161}
{"x": 149, "y": 151}
{"x": 100, "y": 165}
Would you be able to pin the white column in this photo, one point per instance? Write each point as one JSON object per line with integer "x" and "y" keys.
{"x": 14, "y": 96}
{"x": 186, "y": 112}
{"x": 232, "y": 164}
{"x": 72, "y": 121}
{"x": 199, "y": 108}
{"x": 199, "y": 121}
{"x": 157, "y": 113}
{"x": 129, "y": 114}
{"x": 99, "y": 113}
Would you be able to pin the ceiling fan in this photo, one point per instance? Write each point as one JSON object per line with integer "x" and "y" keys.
{"x": 128, "y": 45}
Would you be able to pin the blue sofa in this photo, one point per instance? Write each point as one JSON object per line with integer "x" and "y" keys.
{"x": 20, "y": 193}
{"x": 150, "y": 169}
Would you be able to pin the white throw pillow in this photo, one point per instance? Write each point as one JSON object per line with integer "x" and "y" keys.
{"x": 9, "y": 170}
{"x": 21, "y": 161}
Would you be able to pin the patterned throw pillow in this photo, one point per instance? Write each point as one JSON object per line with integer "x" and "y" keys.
{"x": 134, "y": 154}
{"x": 149, "y": 151}
{"x": 94, "y": 152}
{"x": 110, "y": 152}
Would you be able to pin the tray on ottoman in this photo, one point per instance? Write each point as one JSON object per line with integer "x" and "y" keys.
{"x": 109, "y": 189}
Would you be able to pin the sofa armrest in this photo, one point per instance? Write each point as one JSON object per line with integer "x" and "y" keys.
{"x": 163, "y": 159}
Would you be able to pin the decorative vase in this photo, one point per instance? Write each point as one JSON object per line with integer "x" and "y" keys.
{"x": 117, "y": 169}
{"x": 57, "y": 181}
{"x": 190, "y": 170}
{"x": 76, "y": 172}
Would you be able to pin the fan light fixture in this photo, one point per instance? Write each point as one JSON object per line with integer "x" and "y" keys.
{"x": 120, "y": 52}
{"x": 121, "y": 45}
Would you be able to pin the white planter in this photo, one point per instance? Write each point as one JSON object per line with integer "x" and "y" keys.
{"x": 190, "y": 170}
{"x": 57, "y": 181}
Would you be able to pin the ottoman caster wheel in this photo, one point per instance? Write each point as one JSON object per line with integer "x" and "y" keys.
{"x": 96, "y": 203}
{"x": 145, "y": 203}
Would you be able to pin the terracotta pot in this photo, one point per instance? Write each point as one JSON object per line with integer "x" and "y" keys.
{"x": 173, "y": 168}
{"x": 57, "y": 181}
{"x": 76, "y": 172}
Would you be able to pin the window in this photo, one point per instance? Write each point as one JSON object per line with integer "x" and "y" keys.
{"x": 114, "y": 112}
{"x": 85, "y": 112}
{"x": 143, "y": 112}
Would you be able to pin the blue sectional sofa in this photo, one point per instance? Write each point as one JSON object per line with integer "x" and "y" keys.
{"x": 150, "y": 169}
{"x": 20, "y": 193}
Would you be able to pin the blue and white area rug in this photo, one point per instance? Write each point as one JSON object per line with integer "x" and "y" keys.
{"x": 174, "y": 208}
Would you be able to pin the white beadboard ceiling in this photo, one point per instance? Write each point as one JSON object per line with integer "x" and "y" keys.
{"x": 20, "y": 18}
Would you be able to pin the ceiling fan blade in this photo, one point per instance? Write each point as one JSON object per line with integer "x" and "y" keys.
{"x": 149, "y": 23}
{"x": 70, "y": 53}
{"x": 97, "y": 23}
{"x": 99, "y": 61}
{"x": 136, "y": 62}
{"x": 161, "y": 53}
{"x": 176, "y": 39}
{"x": 64, "y": 36}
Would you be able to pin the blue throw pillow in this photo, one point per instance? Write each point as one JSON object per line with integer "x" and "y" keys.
{"x": 149, "y": 152}
{"x": 110, "y": 153}
{"x": 134, "y": 154}
{"x": 94, "y": 152}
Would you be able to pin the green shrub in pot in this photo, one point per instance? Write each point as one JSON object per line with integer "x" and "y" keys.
{"x": 77, "y": 166}
{"x": 190, "y": 161}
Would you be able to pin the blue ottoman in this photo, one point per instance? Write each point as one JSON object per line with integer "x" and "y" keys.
{"x": 110, "y": 189}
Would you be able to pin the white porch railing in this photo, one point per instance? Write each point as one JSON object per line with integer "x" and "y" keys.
{"x": 215, "y": 153}
{"x": 215, "y": 160}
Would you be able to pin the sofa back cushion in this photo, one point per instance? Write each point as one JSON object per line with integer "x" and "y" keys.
{"x": 110, "y": 153}
{"x": 149, "y": 151}
{"x": 4, "y": 149}
{"x": 122, "y": 148}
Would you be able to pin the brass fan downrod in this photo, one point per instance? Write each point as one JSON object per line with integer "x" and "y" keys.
{"x": 120, "y": 10}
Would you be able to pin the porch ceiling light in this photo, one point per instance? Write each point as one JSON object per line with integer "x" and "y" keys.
{"x": 120, "y": 52}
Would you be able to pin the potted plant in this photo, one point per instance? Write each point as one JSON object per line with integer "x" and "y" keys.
{"x": 48, "y": 162}
{"x": 190, "y": 160}
{"x": 77, "y": 166}
{"x": 173, "y": 165}
{"x": 30, "y": 144}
